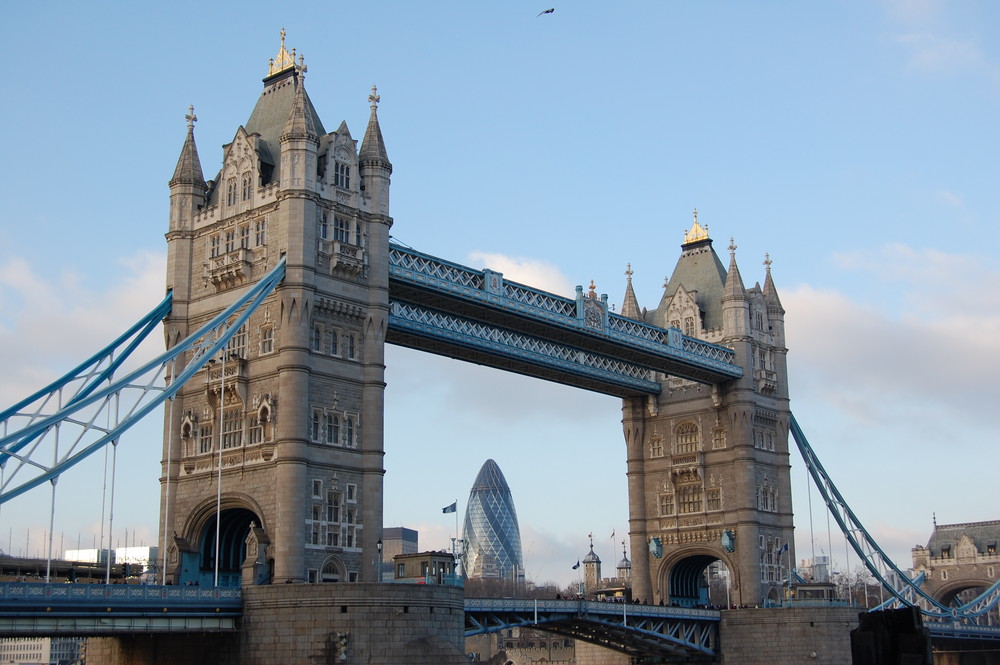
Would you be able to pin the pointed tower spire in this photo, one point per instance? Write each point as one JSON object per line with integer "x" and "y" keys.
{"x": 630, "y": 305}
{"x": 771, "y": 293}
{"x": 372, "y": 146}
{"x": 188, "y": 170}
{"x": 299, "y": 124}
{"x": 734, "y": 289}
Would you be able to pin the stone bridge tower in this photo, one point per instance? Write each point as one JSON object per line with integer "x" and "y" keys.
{"x": 959, "y": 561}
{"x": 708, "y": 466}
{"x": 292, "y": 415}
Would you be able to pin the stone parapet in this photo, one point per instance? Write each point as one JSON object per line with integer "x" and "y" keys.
{"x": 352, "y": 623}
{"x": 787, "y": 635}
{"x": 389, "y": 624}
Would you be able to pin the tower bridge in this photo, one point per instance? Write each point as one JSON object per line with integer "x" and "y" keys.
{"x": 272, "y": 474}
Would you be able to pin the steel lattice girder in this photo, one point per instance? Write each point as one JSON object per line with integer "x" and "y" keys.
{"x": 668, "y": 631}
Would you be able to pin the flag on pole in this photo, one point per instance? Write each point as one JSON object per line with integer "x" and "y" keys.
{"x": 782, "y": 549}
{"x": 450, "y": 509}
{"x": 577, "y": 564}
{"x": 612, "y": 534}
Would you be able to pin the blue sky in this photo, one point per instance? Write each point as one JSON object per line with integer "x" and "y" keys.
{"x": 855, "y": 142}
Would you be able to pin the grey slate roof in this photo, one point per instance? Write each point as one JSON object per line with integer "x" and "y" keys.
{"x": 698, "y": 269}
{"x": 271, "y": 113}
{"x": 983, "y": 534}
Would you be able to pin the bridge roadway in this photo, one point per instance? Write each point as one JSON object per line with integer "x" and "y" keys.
{"x": 478, "y": 316}
{"x": 40, "y": 609}
{"x": 31, "y": 609}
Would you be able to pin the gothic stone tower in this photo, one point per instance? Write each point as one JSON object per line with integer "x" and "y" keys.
{"x": 708, "y": 466}
{"x": 297, "y": 416}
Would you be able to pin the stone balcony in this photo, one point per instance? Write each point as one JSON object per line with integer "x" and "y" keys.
{"x": 231, "y": 269}
{"x": 344, "y": 257}
{"x": 767, "y": 381}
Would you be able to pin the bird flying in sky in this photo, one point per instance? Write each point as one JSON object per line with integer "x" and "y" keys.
{"x": 547, "y": 11}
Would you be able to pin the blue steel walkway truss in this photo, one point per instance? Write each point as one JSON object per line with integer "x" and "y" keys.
{"x": 478, "y": 316}
{"x": 642, "y": 631}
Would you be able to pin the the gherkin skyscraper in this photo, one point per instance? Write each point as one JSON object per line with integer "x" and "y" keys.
{"x": 492, "y": 538}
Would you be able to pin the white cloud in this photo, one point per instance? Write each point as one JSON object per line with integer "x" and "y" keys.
{"x": 939, "y": 353}
{"x": 935, "y": 54}
{"x": 532, "y": 272}
{"x": 52, "y": 322}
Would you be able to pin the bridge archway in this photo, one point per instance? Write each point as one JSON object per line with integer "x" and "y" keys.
{"x": 960, "y": 592}
{"x": 682, "y": 579}
{"x": 236, "y": 515}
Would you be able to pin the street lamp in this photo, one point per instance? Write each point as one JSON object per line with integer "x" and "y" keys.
{"x": 378, "y": 546}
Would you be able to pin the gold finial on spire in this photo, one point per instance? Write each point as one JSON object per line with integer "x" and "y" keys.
{"x": 767, "y": 262}
{"x": 732, "y": 247}
{"x": 191, "y": 118}
{"x": 374, "y": 98}
{"x": 592, "y": 293}
{"x": 284, "y": 60}
{"x": 628, "y": 271}
{"x": 697, "y": 232}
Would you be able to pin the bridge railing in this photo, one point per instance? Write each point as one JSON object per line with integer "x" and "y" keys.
{"x": 22, "y": 596}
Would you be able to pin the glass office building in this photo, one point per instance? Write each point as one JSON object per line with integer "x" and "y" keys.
{"x": 492, "y": 545}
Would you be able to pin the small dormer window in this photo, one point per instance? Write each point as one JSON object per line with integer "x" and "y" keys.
{"x": 946, "y": 551}
{"x": 342, "y": 175}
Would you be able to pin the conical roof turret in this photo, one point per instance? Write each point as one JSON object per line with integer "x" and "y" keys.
{"x": 771, "y": 293}
{"x": 188, "y": 170}
{"x": 299, "y": 124}
{"x": 630, "y": 305}
{"x": 372, "y": 145}
{"x": 734, "y": 289}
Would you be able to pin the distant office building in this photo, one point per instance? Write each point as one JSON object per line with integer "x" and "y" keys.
{"x": 140, "y": 559}
{"x": 816, "y": 569}
{"x": 398, "y": 540}
{"x": 41, "y": 650}
{"x": 492, "y": 545}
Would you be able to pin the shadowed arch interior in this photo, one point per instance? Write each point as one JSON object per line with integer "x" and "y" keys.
{"x": 687, "y": 580}
{"x": 234, "y": 525}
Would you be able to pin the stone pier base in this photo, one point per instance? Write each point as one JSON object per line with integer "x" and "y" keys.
{"x": 390, "y": 624}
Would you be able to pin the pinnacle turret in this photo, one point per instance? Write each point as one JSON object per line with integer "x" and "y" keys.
{"x": 299, "y": 124}
{"x": 734, "y": 289}
{"x": 188, "y": 170}
{"x": 372, "y": 146}
{"x": 771, "y": 293}
{"x": 630, "y": 305}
